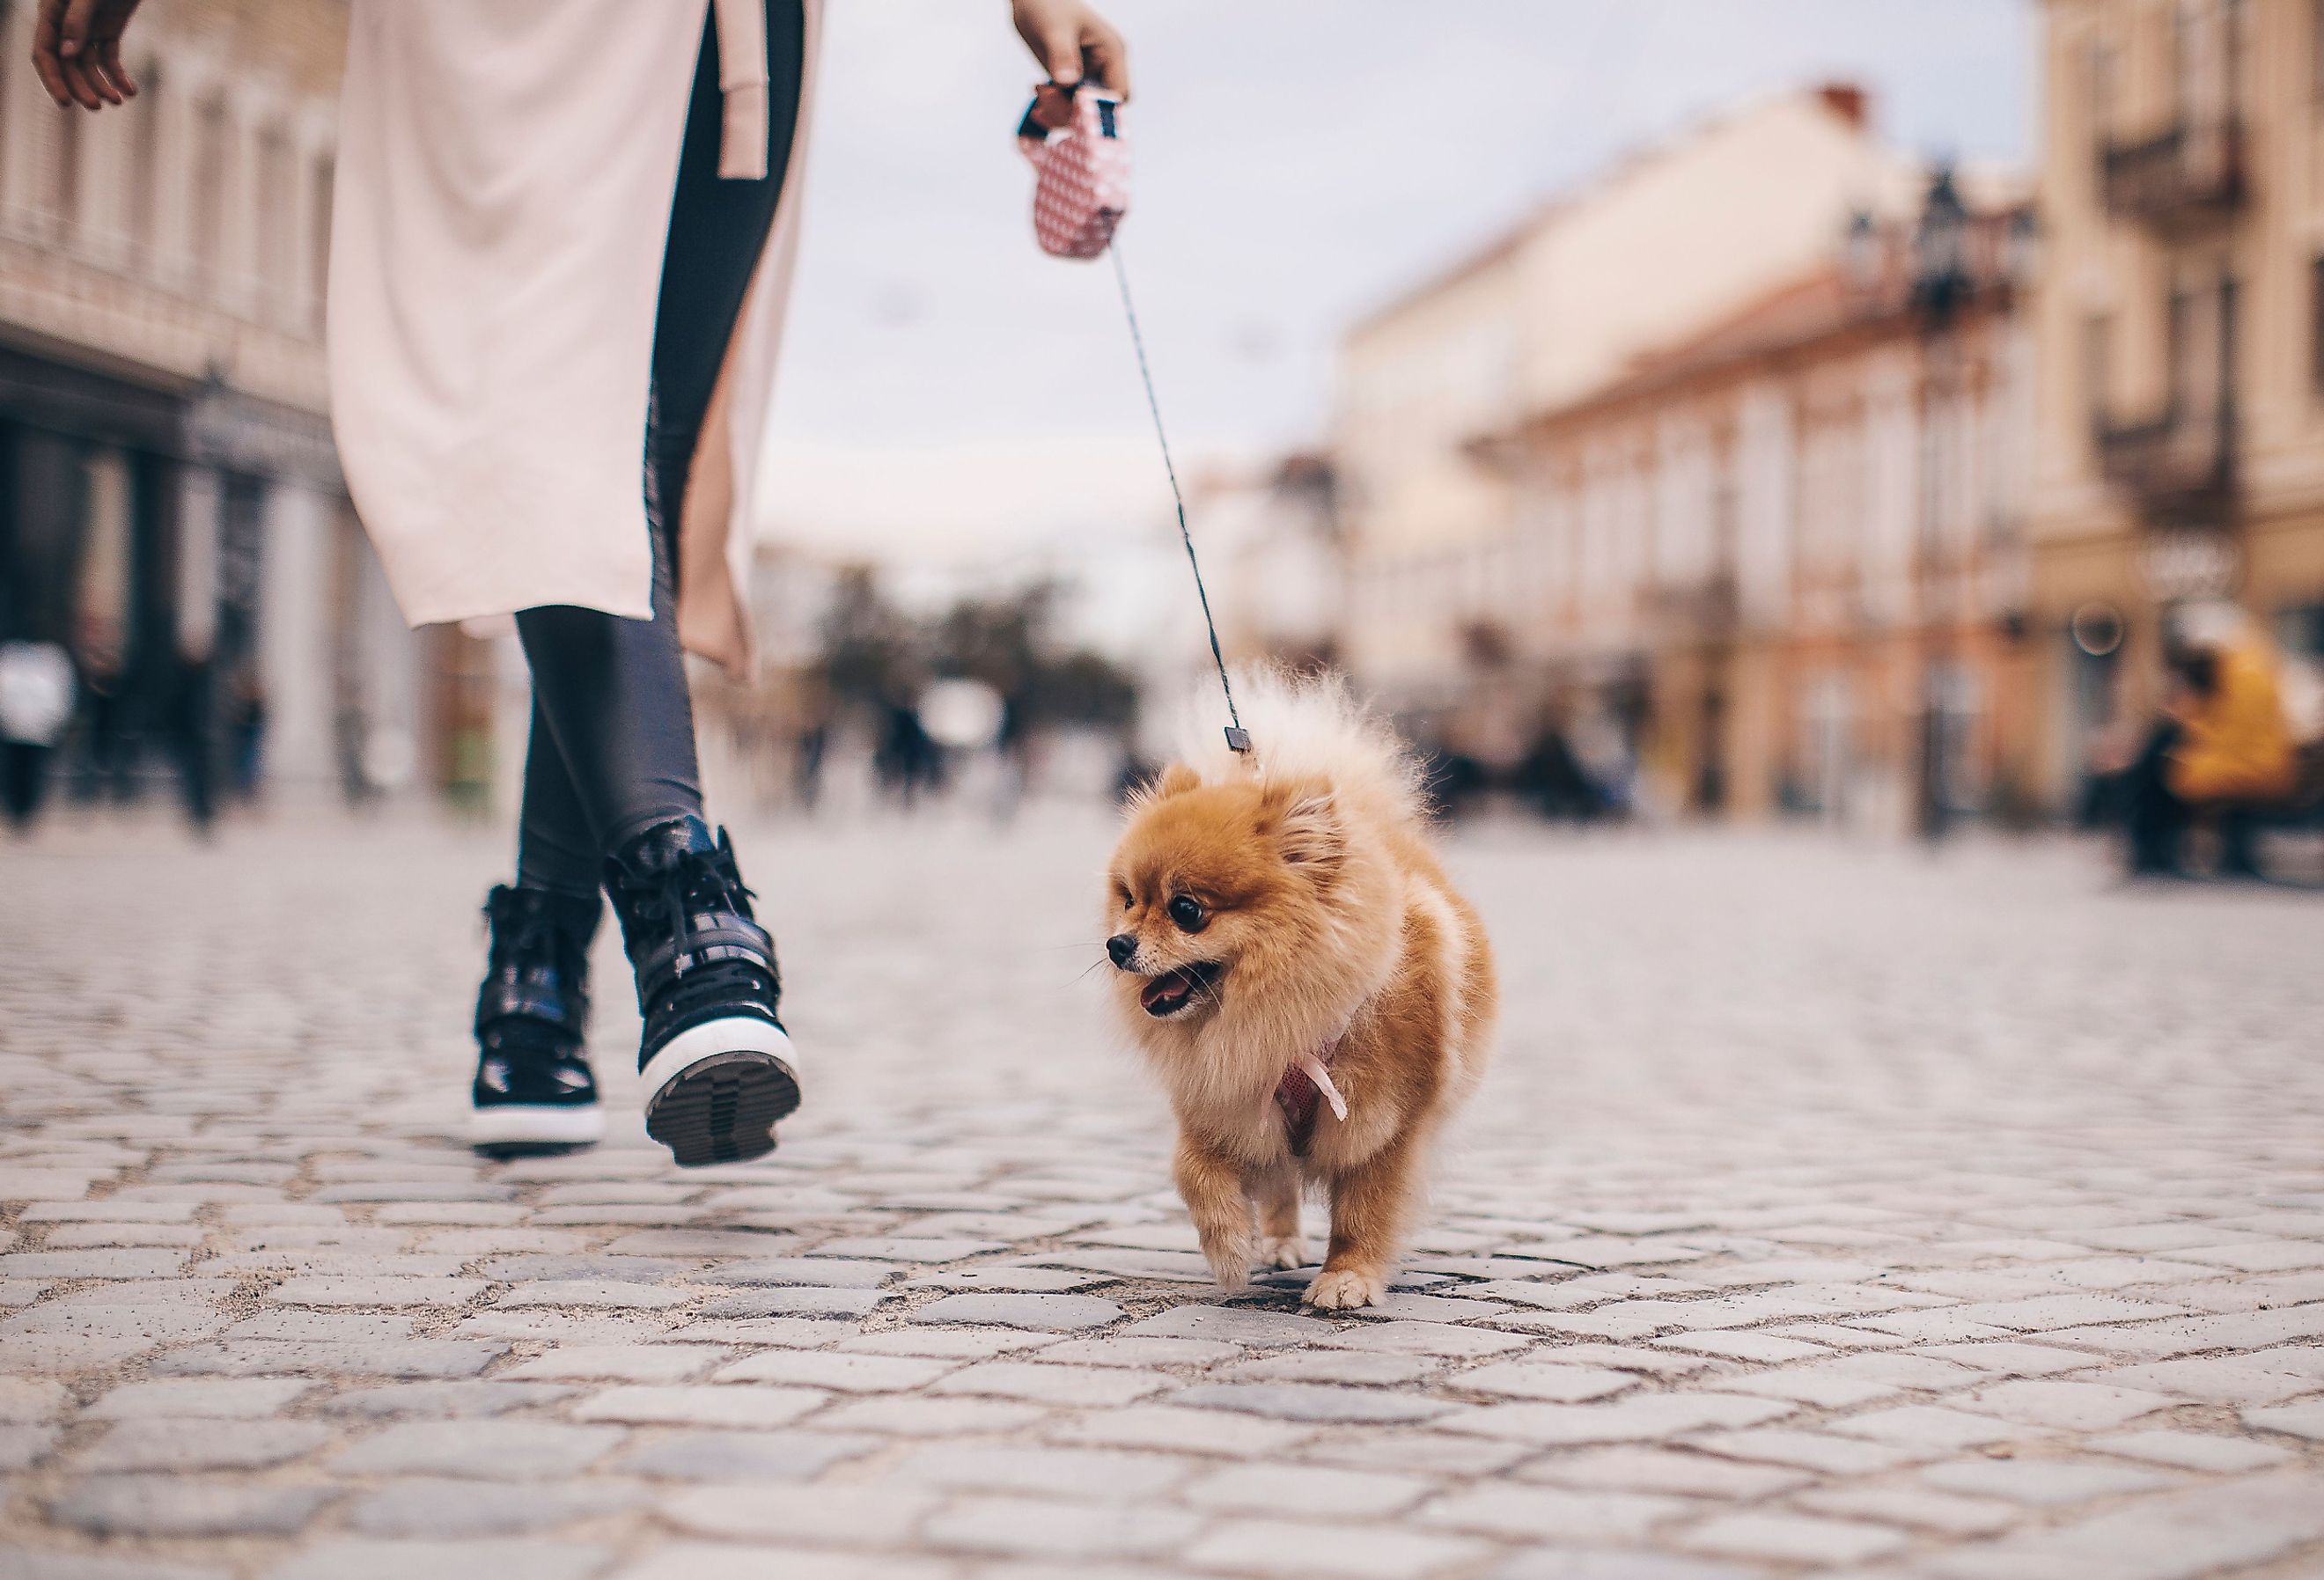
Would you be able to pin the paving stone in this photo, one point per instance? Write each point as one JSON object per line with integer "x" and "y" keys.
{"x": 1638, "y": 1419}
{"x": 917, "y": 1416}
{"x": 1045, "y": 1313}
{"x": 1090, "y": 1474}
{"x": 490, "y": 1450}
{"x": 837, "y": 1515}
{"x": 1553, "y": 1563}
{"x": 290, "y": 1358}
{"x": 376, "y": 1291}
{"x": 2177, "y": 1535}
{"x": 1023, "y": 1527}
{"x": 2042, "y": 1482}
{"x": 24, "y": 1564}
{"x": 1350, "y": 1366}
{"x": 149, "y": 1444}
{"x": 1061, "y": 1385}
{"x": 355, "y": 1559}
{"x": 2193, "y": 1450}
{"x": 1796, "y": 1538}
{"x": 1638, "y": 1468}
{"x": 1544, "y": 1379}
{"x": 448, "y": 1509}
{"x": 1358, "y": 1553}
{"x": 2075, "y": 1406}
{"x": 180, "y": 1398}
{"x": 592, "y": 1293}
{"x": 948, "y": 1343}
{"x": 689, "y": 1560}
{"x": 701, "y": 1405}
{"x": 1314, "y": 1490}
{"x": 446, "y": 1401}
{"x": 2298, "y": 1420}
{"x": 1538, "y": 1514}
{"x": 843, "y": 1373}
{"x": 1310, "y": 1401}
{"x": 621, "y": 1362}
{"x": 185, "y": 1506}
{"x": 1925, "y": 1425}
{"x": 1170, "y": 1428}
{"x": 1125, "y": 1350}
{"x": 1228, "y": 1325}
{"x": 743, "y": 1456}
{"x": 824, "y": 1272}
{"x": 1423, "y": 1338}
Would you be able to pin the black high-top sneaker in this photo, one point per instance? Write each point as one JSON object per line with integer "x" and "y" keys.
{"x": 716, "y": 1064}
{"x": 533, "y": 1092}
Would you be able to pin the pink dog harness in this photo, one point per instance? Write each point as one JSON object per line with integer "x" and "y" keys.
{"x": 1082, "y": 188}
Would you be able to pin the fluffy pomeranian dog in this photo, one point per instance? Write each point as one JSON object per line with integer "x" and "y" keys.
{"x": 1316, "y": 996}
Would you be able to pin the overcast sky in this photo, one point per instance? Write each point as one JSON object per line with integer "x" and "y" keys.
{"x": 950, "y": 393}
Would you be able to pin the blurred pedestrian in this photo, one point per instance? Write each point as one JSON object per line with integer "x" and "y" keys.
{"x": 36, "y": 701}
{"x": 2223, "y": 741}
{"x": 561, "y": 239}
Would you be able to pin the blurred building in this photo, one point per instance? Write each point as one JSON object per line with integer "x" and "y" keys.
{"x": 2180, "y": 338}
{"x": 170, "y": 507}
{"x": 1775, "y": 564}
{"x": 1652, "y": 252}
{"x": 1274, "y": 542}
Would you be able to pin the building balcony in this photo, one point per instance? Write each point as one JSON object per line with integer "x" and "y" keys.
{"x": 2185, "y": 179}
{"x": 2180, "y": 470}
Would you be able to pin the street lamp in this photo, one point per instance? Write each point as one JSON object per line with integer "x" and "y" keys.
{"x": 1942, "y": 283}
{"x": 1943, "y": 287}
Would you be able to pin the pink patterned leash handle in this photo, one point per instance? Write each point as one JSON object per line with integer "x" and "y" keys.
{"x": 1080, "y": 194}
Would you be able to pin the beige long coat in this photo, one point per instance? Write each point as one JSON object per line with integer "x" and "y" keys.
{"x": 504, "y": 181}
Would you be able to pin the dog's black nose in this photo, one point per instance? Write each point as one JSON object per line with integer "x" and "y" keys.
{"x": 1121, "y": 947}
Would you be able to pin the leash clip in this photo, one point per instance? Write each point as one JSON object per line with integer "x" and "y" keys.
{"x": 1238, "y": 739}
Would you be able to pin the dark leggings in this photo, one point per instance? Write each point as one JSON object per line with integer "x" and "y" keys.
{"x": 612, "y": 751}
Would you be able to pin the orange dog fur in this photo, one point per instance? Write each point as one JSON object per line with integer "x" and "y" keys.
{"x": 1287, "y": 903}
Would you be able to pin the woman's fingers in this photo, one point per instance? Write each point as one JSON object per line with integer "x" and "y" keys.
{"x": 1106, "y": 56}
{"x": 108, "y": 58}
{"x": 46, "y": 64}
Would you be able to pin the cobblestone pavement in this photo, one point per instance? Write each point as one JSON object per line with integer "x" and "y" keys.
{"x": 1831, "y": 1211}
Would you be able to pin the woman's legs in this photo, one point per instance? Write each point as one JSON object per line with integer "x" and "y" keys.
{"x": 612, "y": 692}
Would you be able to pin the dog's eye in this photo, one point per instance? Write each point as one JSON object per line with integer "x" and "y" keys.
{"x": 1187, "y": 912}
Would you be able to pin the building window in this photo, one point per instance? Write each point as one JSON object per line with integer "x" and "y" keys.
{"x": 277, "y": 199}
{"x": 145, "y": 169}
{"x": 209, "y": 194}
{"x": 319, "y": 242}
{"x": 2097, "y": 368}
{"x": 2316, "y": 324}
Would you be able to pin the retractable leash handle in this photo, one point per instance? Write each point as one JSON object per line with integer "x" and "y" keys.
{"x": 1080, "y": 194}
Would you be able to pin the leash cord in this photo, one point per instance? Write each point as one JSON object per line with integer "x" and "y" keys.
{"x": 1237, "y": 739}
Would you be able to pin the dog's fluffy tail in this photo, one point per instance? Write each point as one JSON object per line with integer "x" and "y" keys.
{"x": 1304, "y": 727}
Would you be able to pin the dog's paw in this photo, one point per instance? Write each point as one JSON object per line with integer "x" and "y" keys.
{"x": 1344, "y": 1290}
{"x": 1283, "y": 1251}
{"x": 1230, "y": 1263}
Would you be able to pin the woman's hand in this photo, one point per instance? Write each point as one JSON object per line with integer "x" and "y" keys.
{"x": 1071, "y": 41}
{"x": 76, "y": 51}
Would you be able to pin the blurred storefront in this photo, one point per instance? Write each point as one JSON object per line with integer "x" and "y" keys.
{"x": 171, "y": 513}
{"x": 2179, "y": 332}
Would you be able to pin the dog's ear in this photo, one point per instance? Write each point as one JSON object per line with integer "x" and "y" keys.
{"x": 1176, "y": 780}
{"x": 1307, "y": 825}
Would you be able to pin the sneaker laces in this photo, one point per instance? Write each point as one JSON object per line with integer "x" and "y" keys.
{"x": 697, "y": 881}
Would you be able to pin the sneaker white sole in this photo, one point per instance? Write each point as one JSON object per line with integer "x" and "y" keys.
{"x": 715, "y": 1091}
{"x": 522, "y": 1124}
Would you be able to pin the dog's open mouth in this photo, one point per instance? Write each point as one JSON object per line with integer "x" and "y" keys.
{"x": 1173, "y": 991}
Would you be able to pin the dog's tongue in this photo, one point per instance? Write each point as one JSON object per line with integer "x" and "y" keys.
{"x": 1162, "y": 990}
